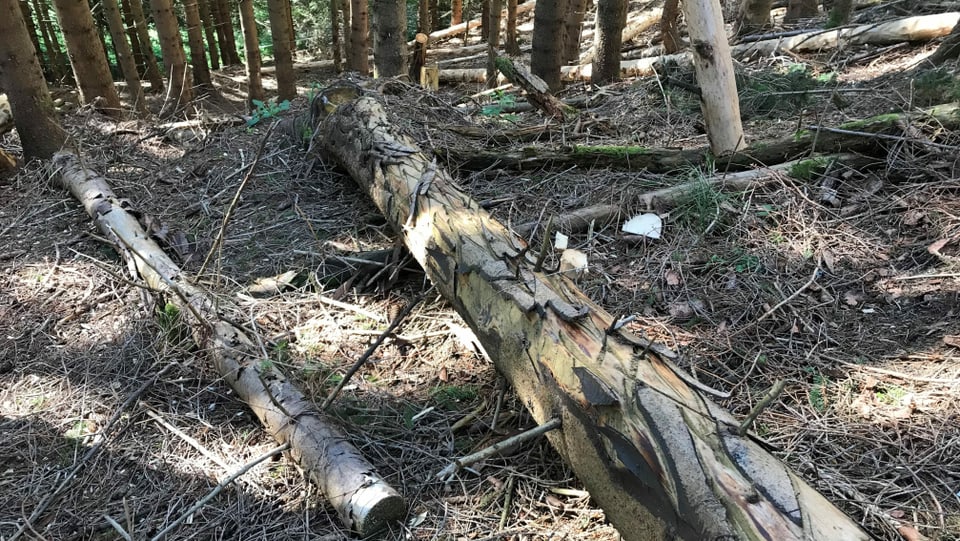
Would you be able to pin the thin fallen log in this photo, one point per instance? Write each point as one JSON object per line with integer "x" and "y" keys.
{"x": 581, "y": 219}
{"x": 364, "y": 501}
{"x": 536, "y": 90}
{"x": 862, "y": 136}
{"x": 463, "y": 27}
{"x": 661, "y": 460}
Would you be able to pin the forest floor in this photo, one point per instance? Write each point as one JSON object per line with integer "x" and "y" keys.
{"x": 843, "y": 282}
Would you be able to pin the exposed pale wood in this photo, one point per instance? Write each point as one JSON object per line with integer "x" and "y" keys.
{"x": 714, "y": 68}
{"x": 463, "y": 27}
{"x": 661, "y": 459}
{"x": 637, "y": 23}
{"x": 364, "y": 501}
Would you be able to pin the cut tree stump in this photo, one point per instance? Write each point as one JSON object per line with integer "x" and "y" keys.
{"x": 660, "y": 459}
{"x": 364, "y": 501}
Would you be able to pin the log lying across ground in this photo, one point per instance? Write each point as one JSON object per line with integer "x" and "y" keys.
{"x": 662, "y": 460}
{"x": 864, "y": 136}
{"x": 365, "y": 502}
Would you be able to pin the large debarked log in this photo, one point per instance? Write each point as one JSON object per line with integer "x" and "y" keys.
{"x": 660, "y": 459}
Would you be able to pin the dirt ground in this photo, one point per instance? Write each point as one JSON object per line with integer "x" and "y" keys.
{"x": 844, "y": 283}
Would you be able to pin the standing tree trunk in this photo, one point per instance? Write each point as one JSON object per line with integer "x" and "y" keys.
{"x": 228, "y": 43}
{"x": 547, "y": 55}
{"x": 512, "y": 44}
{"x": 132, "y": 37}
{"x": 423, "y": 16}
{"x": 59, "y": 65}
{"x": 800, "y": 9}
{"x": 357, "y": 59}
{"x": 153, "y": 68}
{"x": 198, "y": 55}
{"x": 434, "y": 15}
{"x": 87, "y": 56}
{"x": 335, "y": 35}
{"x": 670, "y": 26}
{"x": 22, "y": 79}
{"x": 179, "y": 86}
{"x": 493, "y": 42}
{"x": 656, "y": 454}
{"x": 754, "y": 16}
{"x": 251, "y": 48}
{"x": 456, "y": 12}
{"x": 280, "y": 29}
{"x": 608, "y": 40}
{"x": 389, "y": 43}
{"x": 484, "y": 19}
{"x": 840, "y": 13}
{"x": 124, "y": 54}
{"x": 714, "y": 67}
{"x": 31, "y": 28}
{"x": 210, "y": 34}
{"x": 293, "y": 27}
{"x": 572, "y": 25}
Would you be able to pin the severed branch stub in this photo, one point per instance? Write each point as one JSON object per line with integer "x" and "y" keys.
{"x": 447, "y": 473}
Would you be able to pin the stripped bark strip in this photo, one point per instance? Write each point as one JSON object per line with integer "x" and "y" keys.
{"x": 662, "y": 460}
{"x": 365, "y": 502}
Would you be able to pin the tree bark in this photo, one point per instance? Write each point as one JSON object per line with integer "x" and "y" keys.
{"x": 210, "y": 34}
{"x": 198, "y": 53}
{"x": 572, "y": 28}
{"x": 611, "y": 19}
{"x": 662, "y": 460}
{"x": 58, "y": 66}
{"x": 423, "y": 17}
{"x": 484, "y": 19}
{"x": 389, "y": 43}
{"x": 357, "y": 59}
{"x": 221, "y": 11}
{"x": 251, "y": 48}
{"x": 800, "y": 9}
{"x": 547, "y": 55}
{"x": 364, "y": 501}
{"x": 948, "y": 50}
{"x": 434, "y": 15}
{"x": 31, "y": 28}
{"x": 456, "y": 12}
{"x": 282, "y": 57}
{"x": 179, "y": 85}
{"x": 133, "y": 38}
{"x": 840, "y": 13}
{"x": 512, "y": 44}
{"x": 536, "y": 90}
{"x": 153, "y": 68}
{"x": 124, "y": 54}
{"x": 335, "y": 41}
{"x": 753, "y": 16}
{"x": 493, "y": 41}
{"x": 87, "y": 57}
{"x": 715, "y": 77}
{"x": 22, "y": 79}
{"x": 670, "y": 27}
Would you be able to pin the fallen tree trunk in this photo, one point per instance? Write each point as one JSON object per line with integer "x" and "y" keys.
{"x": 365, "y": 502}
{"x": 864, "y": 136}
{"x": 660, "y": 459}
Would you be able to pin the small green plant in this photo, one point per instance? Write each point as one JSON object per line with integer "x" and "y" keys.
{"x": 807, "y": 170}
{"x": 890, "y": 394}
{"x": 171, "y": 323}
{"x": 502, "y": 101}
{"x": 935, "y": 86}
{"x": 699, "y": 208}
{"x": 780, "y": 91}
{"x": 817, "y": 393}
{"x": 746, "y": 263}
{"x": 449, "y": 396}
{"x": 266, "y": 109}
